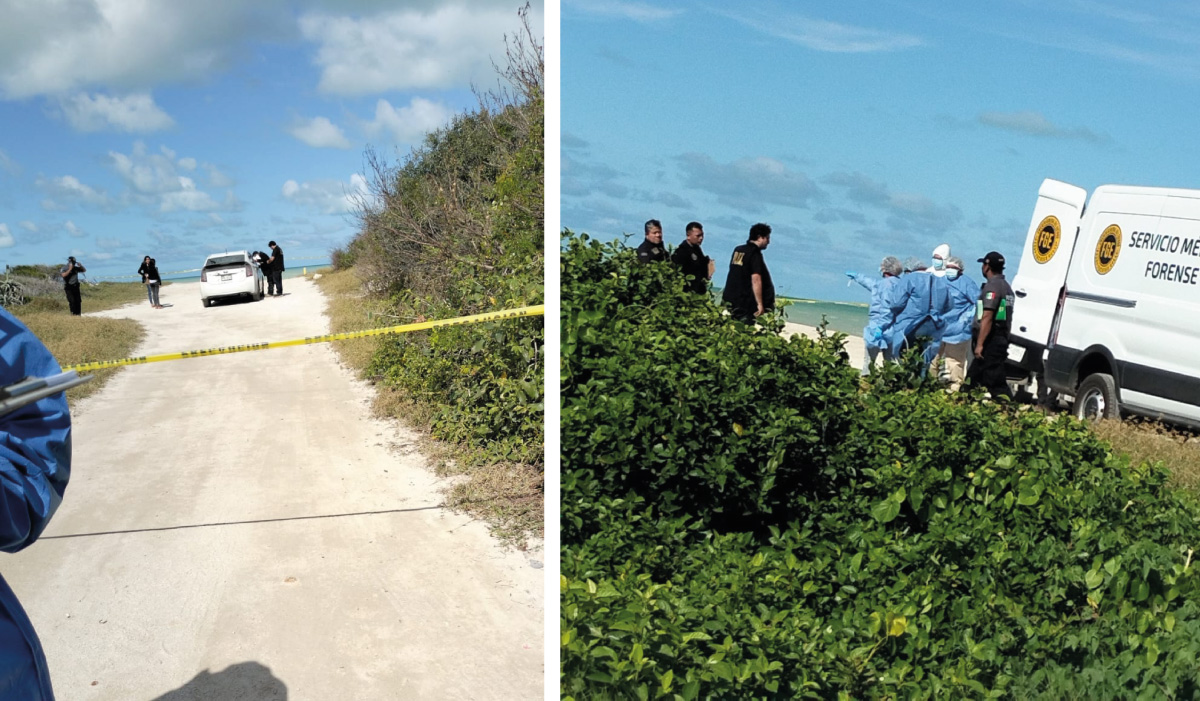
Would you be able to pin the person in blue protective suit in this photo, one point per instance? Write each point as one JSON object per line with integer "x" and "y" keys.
{"x": 35, "y": 464}
{"x": 877, "y": 333}
{"x": 956, "y": 336}
{"x": 917, "y": 304}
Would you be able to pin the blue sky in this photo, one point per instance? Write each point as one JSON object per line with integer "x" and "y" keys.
{"x": 177, "y": 129}
{"x": 863, "y": 129}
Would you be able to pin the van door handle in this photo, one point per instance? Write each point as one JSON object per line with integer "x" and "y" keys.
{"x": 1020, "y": 293}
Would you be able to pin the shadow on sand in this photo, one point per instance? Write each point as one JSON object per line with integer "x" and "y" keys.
{"x": 247, "y": 681}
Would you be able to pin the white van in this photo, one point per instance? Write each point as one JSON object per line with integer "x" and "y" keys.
{"x": 1108, "y": 300}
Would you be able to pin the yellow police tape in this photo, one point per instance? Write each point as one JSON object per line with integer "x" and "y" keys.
{"x": 537, "y": 310}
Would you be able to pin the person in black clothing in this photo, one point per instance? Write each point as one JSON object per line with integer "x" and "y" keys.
{"x": 989, "y": 332}
{"x": 70, "y": 276}
{"x": 152, "y": 280}
{"x": 691, "y": 259}
{"x": 749, "y": 291}
{"x": 275, "y": 270}
{"x": 652, "y": 248}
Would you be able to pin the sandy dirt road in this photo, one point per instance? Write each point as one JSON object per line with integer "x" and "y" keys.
{"x": 237, "y": 527}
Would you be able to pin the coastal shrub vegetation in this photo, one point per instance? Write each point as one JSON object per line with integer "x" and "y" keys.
{"x": 454, "y": 229}
{"x": 743, "y": 516}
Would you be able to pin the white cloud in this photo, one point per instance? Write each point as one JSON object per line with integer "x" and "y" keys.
{"x": 73, "y": 230}
{"x": 749, "y": 183}
{"x": 409, "y": 124}
{"x": 145, "y": 172}
{"x": 1036, "y": 124}
{"x": 326, "y": 196}
{"x": 154, "y": 179}
{"x": 110, "y": 243}
{"x": 319, "y": 132}
{"x": 48, "y": 48}
{"x": 821, "y": 35}
{"x": 440, "y": 47}
{"x": 8, "y": 165}
{"x": 6, "y": 237}
{"x": 636, "y": 11}
{"x": 28, "y": 226}
{"x": 56, "y": 47}
{"x": 67, "y": 190}
{"x": 132, "y": 113}
{"x": 187, "y": 198}
{"x": 216, "y": 178}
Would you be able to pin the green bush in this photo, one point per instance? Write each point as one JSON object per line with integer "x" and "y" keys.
{"x": 743, "y": 518}
{"x": 453, "y": 230}
{"x": 484, "y": 381}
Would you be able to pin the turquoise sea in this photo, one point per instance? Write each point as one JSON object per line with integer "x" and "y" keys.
{"x": 847, "y": 317}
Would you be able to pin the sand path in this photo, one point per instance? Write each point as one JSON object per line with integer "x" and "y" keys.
{"x": 239, "y": 527}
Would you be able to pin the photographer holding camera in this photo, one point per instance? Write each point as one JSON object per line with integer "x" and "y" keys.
{"x": 70, "y": 276}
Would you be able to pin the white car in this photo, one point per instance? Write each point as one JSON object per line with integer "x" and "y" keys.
{"x": 227, "y": 275}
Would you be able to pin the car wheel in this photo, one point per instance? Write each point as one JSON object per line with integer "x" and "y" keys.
{"x": 1096, "y": 398}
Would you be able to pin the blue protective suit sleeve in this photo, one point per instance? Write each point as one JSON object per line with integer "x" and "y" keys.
{"x": 867, "y": 282}
{"x": 35, "y": 441}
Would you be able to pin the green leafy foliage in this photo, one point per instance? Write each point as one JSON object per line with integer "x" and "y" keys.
{"x": 743, "y": 517}
{"x": 484, "y": 382}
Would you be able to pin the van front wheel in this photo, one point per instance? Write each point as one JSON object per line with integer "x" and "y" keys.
{"x": 1096, "y": 398}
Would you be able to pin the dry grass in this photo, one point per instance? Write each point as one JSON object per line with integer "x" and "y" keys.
{"x": 82, "y": 339}
{"x": 1144, "y": 440}
{"x": 351, "y": 310}
{"x": 508, "y": 497}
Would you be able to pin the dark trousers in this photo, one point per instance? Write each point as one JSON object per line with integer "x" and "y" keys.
{"x": 746, "y": 317}
{"x": 988, "y": 371}
{"x": 275, "y": 282}
{"x": 74, "y": 299}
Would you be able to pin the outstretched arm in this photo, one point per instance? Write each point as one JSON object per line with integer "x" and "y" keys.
{"x": 867, "y": 282}
{"x": 35, "y": 441}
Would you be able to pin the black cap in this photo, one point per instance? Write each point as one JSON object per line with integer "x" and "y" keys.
{"x": 994, "y": 260}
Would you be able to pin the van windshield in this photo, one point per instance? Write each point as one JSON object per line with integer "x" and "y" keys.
{"x": 222, "y": 261}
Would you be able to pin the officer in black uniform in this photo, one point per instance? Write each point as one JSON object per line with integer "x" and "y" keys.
{"x": 652, "y": 249}
{"x": 749, "y": 291}
{"x": 691, "y": 261}
{"x": 989, "y": 331}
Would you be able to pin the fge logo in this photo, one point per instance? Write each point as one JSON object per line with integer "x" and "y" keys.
{"x": 1107, "y": 249}
{"x": 1045, "y": 240}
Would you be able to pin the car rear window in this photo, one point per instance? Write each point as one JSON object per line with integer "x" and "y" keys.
{"x": 222, "y": 261}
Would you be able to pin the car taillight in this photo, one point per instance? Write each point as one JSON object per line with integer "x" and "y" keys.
{"x": 249, "y": 270}
{"x": 203, "y": 276}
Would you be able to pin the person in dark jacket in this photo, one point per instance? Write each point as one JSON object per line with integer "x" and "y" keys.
{"x": 35, "y": 465}
{"x": 652, "y": 249}
{"x": 275, "y": 270}
{"x": 152, "y": 280}
{"x": 70, "y": 276}
{"x": 749, "y": 291}
{"x": 691, "y": 261}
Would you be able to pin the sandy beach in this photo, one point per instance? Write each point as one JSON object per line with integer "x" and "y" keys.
{"x": 855, "y": 347}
